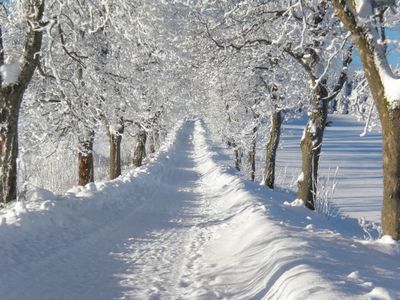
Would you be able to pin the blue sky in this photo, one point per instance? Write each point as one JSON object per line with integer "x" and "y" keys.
{"x": 393, "y": 52}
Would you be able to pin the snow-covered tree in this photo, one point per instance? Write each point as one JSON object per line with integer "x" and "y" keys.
{"x": 304, "y": 33}
{"x": 21, "y": 18}
{"x": 367, "y": 21}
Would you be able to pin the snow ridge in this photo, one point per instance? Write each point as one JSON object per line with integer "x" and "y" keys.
{"x": 249, "y": 256}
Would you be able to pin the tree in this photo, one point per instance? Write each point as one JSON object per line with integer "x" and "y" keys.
{"x": 365, "y": 21}
{"x": 272, "y": 146}
{"x": 304, "y": 33}
{"x": 276, "y": 96}
{"x": 15, "y": 78}
{"x": 140, "y": 147}
{"x": 93, "y": 84}
{"x": 320, "y": 41}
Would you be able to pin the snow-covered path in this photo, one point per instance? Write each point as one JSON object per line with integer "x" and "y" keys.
{"x": 144, "y": 253}
{"x": 184, "y": 227}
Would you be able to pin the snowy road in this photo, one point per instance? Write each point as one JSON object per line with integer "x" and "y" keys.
{"x": 149, "y": 252}
{"x": 184, "y": 227}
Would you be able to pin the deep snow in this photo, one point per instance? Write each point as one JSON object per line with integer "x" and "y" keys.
{"x": 187, "y": 227}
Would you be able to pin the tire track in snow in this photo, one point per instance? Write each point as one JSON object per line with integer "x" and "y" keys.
{"x": 140, "y": 255}
{"x": 164, "y": 264}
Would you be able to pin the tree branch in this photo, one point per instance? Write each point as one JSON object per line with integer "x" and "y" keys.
{"x": 343, "y": 75}
{"x": 33, "y": 41}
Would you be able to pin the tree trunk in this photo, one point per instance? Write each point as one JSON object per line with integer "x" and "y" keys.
{"x": 162, "y": 135}
{"x": 9, "y": 113}
{"x": 272, "y": 146}
{"x": 11, "y": 99}
{"x": 115, "y": 154}
{"x": 333, "y": 106}
{"x": 390, "y": 120}
{"x": 391, "y": 176}
{"x": 140, "y": 148}
{"x": 85, "y": 160}
{"x": 251, "y": 157}
{"x": 238, "y": 161}
{"x": 115, "y": 138}
{"x": 311, "y": 145}
{"x": 252, "y": 161}
{"x": 344, "y": 101}
{"x": 157, "y": 138}
{"x": 238, "y": 158}
{"x": 237, "y": 153}
{"x": 152, "y": 142}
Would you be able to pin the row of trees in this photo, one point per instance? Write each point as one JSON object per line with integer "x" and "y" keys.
{"x": 279, "y": 59}
{"x": 132, "y": 68}
{"x": 73, "y": 72}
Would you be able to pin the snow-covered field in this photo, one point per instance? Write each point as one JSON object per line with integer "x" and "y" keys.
{"x": 359, "y": 176}
{"x": 187, "y": 227}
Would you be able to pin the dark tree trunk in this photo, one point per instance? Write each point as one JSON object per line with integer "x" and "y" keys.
{"x": 115, "y": 138}
{"x": 237, "y": 154}
{"x": 272, "y": 146}
{"x": 311, "y": 145}
{"x": 251, "y": 156}
{"x": 333, "y": 106}
{"x": 115, "y": 154}
{"x": 154, "y": 141}
{"x": 140, "y": 148}
{"x": 238, "y": 158}
{"x": 9, "y": 113}
{"x": 252, "y": 162}
{"x": 153, "y": 124}
{"x": 85, "y": 160}
{"x": 1, "y": 51}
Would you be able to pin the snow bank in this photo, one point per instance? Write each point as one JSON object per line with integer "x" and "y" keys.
{"x": 252, "y": 256}
{"x": 264, "y": 249}
{"x": 46, "y": 221}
